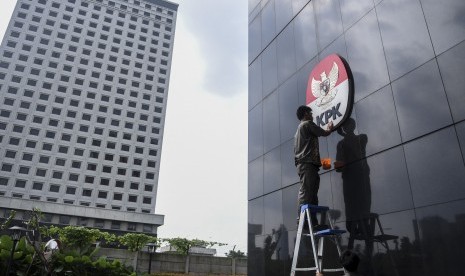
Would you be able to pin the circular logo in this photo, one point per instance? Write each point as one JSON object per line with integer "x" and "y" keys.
{"x": 330, "y": 91}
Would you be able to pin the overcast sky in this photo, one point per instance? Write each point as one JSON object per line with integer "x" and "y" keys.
{"x": 202, "y": 188}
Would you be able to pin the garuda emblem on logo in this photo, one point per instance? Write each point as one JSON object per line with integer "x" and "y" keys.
{"x": 323, "y": 89}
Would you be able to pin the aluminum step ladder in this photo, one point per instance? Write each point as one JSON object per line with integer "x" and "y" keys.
{"x": 317, "y": 238}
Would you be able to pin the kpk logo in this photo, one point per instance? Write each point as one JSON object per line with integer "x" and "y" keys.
{"x": 330, "y": 91}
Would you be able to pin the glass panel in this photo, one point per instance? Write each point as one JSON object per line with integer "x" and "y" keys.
{"x": 286, "y": 53}
{"x": 420, "y": 102}
{"x": 253, "y": 4}
{"x": 274, "y": 254}
{"x": 255, "y": 83}
{"x": 345, "y": 144}
{"x": 338, "y": 46}
{"x": 289, "y": 173}
{"x": 271, "y": 137}
{"x": 256, "y": 216}
{"x": 285, "y": 13}
{"x": 398, "y": 20}
{"x": 328, "y": 16}
{"x": 389, "y": 182}
{"x": 272, "y": 170}
{"x": 255, "y": 178}
{"x": 297, "y": 5}
{"x": 354, "y": 10}
{"x": 305, "y": 36}
{"x": 452, "y": 66}
{"x": 288, "y": 103}
{"x": 255, "y": 256}
{"x": 445, "y": 22}
{"x": 255, "y": 132}
{"x": 290, "y": 206}
{"x": 268, "y": 23}
{"x": 273, "y": 210}
{"x": 460, "y": 128}
{"x": 436, "y": 172}
{"x": 377, "y": 119}
{"x": 302, "y": 80}
{"x": 366, "y": 56}
{"x": 441, "y": 229}
{"x": 325, "y": 196}
{"x": 269, "y": 69}
{"x": 255, "y": 41}
{"x": 351, "y": 190}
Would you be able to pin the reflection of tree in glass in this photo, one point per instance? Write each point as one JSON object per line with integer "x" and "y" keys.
{"x": 442, "y": 244}
{"x": 272, "y": 247}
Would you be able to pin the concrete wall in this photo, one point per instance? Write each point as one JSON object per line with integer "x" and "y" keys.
{"x": 174, "y": 263}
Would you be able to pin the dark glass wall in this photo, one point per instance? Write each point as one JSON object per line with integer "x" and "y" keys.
{"x": 401, "y": 193}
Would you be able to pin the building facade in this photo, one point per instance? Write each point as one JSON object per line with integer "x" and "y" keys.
{"x": 83, "y": 93}
{"x": 401, "y": 192}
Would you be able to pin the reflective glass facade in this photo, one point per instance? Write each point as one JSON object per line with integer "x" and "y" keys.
{"x": 403, "y": 147}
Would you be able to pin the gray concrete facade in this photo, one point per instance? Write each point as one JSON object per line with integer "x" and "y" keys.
{"x": 83, "y": 94}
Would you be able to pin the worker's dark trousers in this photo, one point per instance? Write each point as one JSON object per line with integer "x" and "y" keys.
{"x": 309, "y": 185}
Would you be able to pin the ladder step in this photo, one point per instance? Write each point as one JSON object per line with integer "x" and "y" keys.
{"x": 314, "y": 208}
{"x": 330, "y": 232}
{"x": 305, "y": 269}
{"x": 314, "y": 268}
{"x": 332, "y": 269}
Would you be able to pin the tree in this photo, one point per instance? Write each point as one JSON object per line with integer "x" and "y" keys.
{"x": 78, "y": 238}
{"x": 183, "y": 245}
{"x": 4, "y": 224}
{"x": 235, "y": 254}
{"x": 135, "y": 242}
{"x": 35, "y": 240}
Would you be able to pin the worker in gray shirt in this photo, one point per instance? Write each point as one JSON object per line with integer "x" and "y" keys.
{"x": 307, "y": 158}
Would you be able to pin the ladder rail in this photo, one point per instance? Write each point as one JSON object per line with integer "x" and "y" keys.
{"x": 297, "y": 245}
{"x": 312, "y": 236}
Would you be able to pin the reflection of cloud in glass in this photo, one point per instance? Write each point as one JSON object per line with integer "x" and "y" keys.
{"x": 366, "y": 56}
{"x": 354, "y": 10}
{"x": 421, "y": 102}
{"x": 445, "y": 22}
{"x": 329, "y": 21}
{"x": 398, "y": 20}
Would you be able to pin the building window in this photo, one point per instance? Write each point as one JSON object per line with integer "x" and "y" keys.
{"x": 132, "y": 198}
{"x": 54, "y": 188}
{"x": 73, "y": 177}
{"x": 57, "y": 175}
{"x": 41, "y": 172}
{"x": 20, "y": 183}
{"x": 24, "y": 170}
{"x": 37, "y": 186}
{"x": 87, "y": 192}
{"x": 64, "y": 219}
{"x": 27, "y": 156}
{"x": 119, "y": 184}
{"x": 102, "y": 194}
{"x": 89, "y": 179}
{"x": 70, "y": 190}
{"x": 99, "y": 223}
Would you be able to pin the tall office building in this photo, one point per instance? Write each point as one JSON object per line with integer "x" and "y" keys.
{"x": 83, "y": 93}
